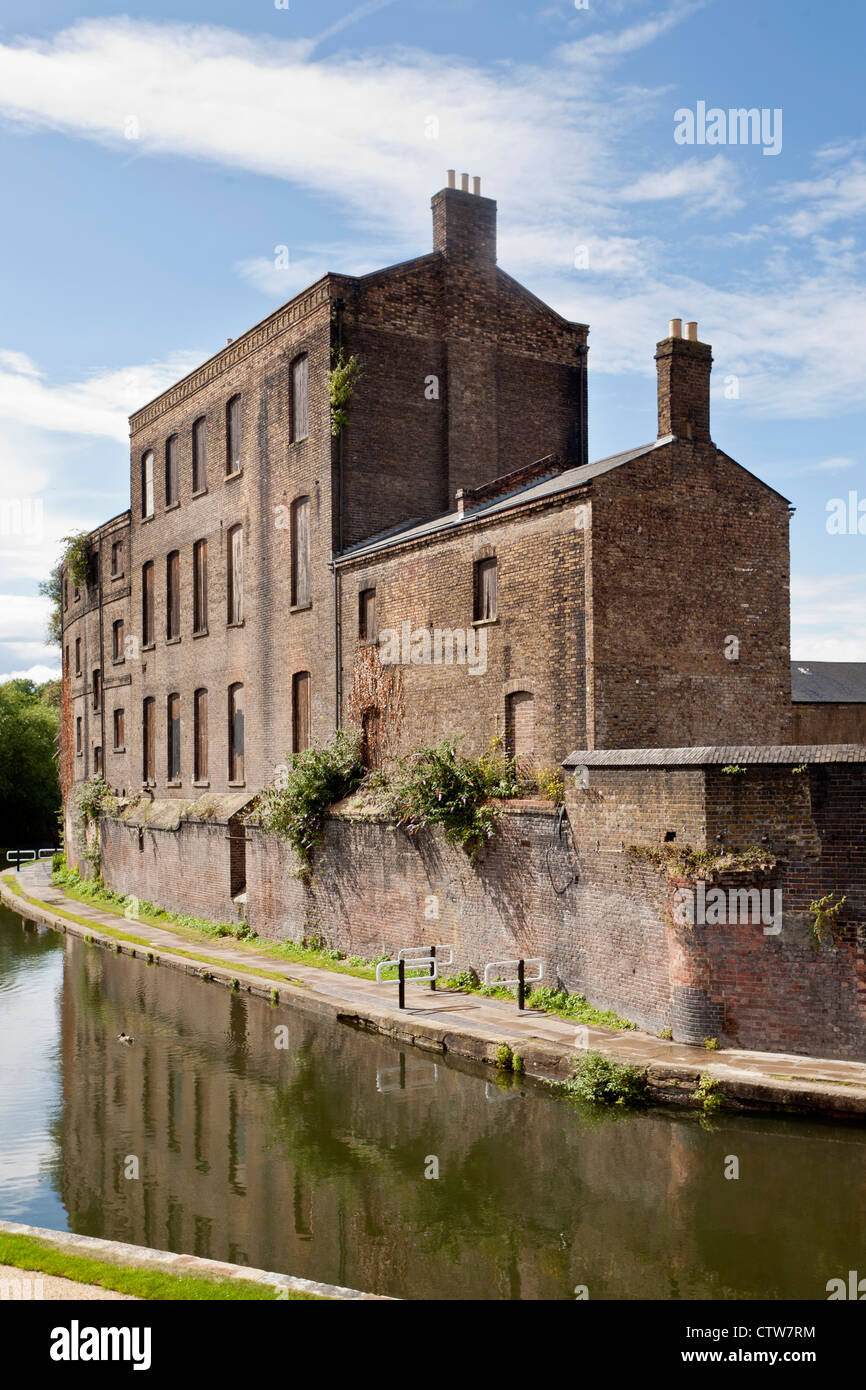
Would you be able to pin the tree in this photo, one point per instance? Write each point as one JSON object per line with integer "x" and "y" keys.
{"x": 29, "y": 786}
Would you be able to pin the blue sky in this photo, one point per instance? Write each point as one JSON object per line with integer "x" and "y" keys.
{"x": 153, "y": 162}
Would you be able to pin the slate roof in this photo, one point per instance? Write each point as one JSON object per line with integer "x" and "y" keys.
{"x": 784, "y": 753}
{"x": 532, "y": 492}
{"x": 824, "y": 681}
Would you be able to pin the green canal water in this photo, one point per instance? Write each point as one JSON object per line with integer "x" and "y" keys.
{"x": 310, "y": 1159}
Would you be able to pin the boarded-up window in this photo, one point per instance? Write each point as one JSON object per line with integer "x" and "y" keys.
{"x": 235, "y": 576}
{"x": 485, "y": 591}
{"x": 97, "y": 688}
{"x": 78, "y": 656}
{"x": 236, "y": 733}
{"x": 173, "y": 737}
{"x": 199, "y": 591}
{"x": 116, "y": 559}
{"x": 78, "y": 734}
{"x": 370, "y": 721}
{"x": 172, "y": 594}
{"x": 171, "y": 471}
{"x": 147, "y": 484}
{"x": 117, "y": 632}
{"x": 147, "y": 603}
{"x": 237, "y": 858}
{"x": 367, "y": 615}
{"x": 301, "y": 718}
{"x": 520, "y": 725}
{"x": 200, "y": 722}
{"x": 199, "y": 455}
{"x": 301, "y": 552}
{"x": 148, "y": 735}
{"x": 300, "y": 398}
{"x": 97, "y": 761}
{"x": 233, "y": 435}
{"x": 119, "y": 730}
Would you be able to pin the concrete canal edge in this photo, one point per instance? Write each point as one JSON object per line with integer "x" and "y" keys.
{"x": 141, "y": 1256}
{"x": 744, "y": 1081}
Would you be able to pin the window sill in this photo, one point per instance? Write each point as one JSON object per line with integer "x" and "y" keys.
{"x": 485, "y": 622}
{"x": 242, "y": 623}
{"x": 118, "y": 750}
{"x": 118, "y": 661}
{"x": 174, "y": 784}
{"x": 151, "y": 517}
{"x": 148, "y": 646}
{"x": 237, "y": 784}
{"x": 238, "y": 473}
{"x": 119, "y": 575}
{"x": 301, "y": 607}
{"x": 200, "y": 492}
{"x": 201, "y": 784}
{"x": 304, "y": 438}
{"x": 172, "y": 506}
{"x": 172, "y": 641}
{"x": 202, "y": 632}
{"x": 368, "y": 641}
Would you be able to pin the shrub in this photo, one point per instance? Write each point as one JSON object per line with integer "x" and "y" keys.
{"x": 439, "y": 786}
{"x": 503, "y": 1057}
{"x": 707, "y": 1094}
{"x": 604, "y": 1082}
{"x": 315, "y": 779}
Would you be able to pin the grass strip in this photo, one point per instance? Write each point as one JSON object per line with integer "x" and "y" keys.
{"x": 28, "y": 1252}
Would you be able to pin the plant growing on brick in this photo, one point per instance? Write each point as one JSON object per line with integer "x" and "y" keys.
{"x": 602, "y": 1081}
{"x": 685, "y": 862}
{"x": 342, "y": 380}
{"x": 315, "y": 779}
{"x": 94, "y": 799}
{"x": 825, "y": 919}
{"x": 440, "y": 786}
{"x": 707, "y": 1094}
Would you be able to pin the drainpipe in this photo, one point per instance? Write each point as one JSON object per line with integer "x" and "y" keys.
{"x": 339, "y": 305}
{"x": 583, "y": 438}
{"x": 101, "y": 656}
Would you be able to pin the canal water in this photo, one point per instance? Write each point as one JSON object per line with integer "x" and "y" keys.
{"x": 206, "y": 1136}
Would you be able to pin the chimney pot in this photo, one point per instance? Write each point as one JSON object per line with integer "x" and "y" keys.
{"x": 675, "y": 328}
{"x": 452, "y": 178}
{"x": 476, "y": 186}
{"x": 692, "y": 332}
{"x": 464, "y": 182}
{"x": 229, "y": 342}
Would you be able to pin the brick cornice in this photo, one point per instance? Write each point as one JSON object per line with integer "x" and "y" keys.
{"x": 301, "y": 307}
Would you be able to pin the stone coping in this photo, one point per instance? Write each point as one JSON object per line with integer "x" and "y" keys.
{"x": 723, "y": 755}
{"x": 121, "y": 1253}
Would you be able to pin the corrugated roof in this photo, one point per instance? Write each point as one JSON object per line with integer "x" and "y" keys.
{"x": 828, "y": 681}
{"x": 533, "y": 492}
{"x": 709, "y": 756}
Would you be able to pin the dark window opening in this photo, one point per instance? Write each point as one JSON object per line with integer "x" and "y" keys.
{"x": 119, "y": 731}
{"x": 148, "y": 732}
{"x": 78, "y": 656}
{"x": 237, "y": 859}
{"x": 78, "y": 735}
{"x": 97, "y": 761}
{"x": 301, "y": 715}
{"x": 233, "y": 435}
{"x": 147, "y": 603}
{"x": 485, "y": 591}
{"x": 171, "y": 471}
{"x": 199, "y": 455}
{"x": 173, "y": 737}
{"x": 172, "y": 595}
{"x": 367, "y": 615}
{"x": 97, "y": 688}
{"x": 236, "y": 733}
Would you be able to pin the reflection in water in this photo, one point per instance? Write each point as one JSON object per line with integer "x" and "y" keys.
{"x": 272, "y": 1137}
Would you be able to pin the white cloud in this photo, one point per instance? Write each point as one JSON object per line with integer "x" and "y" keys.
{"x": 831, "y": 465}
{"x": 98, "y": 406}
{"x": 701, "y": 183}
{"x": 828, "y": 617}
{"x": 596, "y": 48}
{"x": 38, "y": 674}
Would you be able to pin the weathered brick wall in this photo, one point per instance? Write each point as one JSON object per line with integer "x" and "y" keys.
{"x": 573, "y": 894}
{"x": 828, "y": 723}
{"x": 688, "y": 551}
{"x": 535, "y": 645}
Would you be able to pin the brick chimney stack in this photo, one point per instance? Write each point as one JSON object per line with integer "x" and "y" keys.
{"x": 464, "y": 224}
{"x": 684, "y": 367}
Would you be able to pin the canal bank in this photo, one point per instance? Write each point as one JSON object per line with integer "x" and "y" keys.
{"x": 467, "y": 1026}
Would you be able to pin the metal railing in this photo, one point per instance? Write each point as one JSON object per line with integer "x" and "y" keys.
{"x": 407, "y": 958}
{"x": 27, "y": 856}
{"x": 520, "y": 979}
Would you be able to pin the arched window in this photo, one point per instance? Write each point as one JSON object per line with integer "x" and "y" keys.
{"x": 520, "y": 725}
{"x": 147, "y": 604}
{"x": 300, "y": 398}
{"x": 171, "y": 471}
{"x": 200, "y": 732}
{"x": 235, "y": 575}
{"x": 301, "y": 714}
{"x": 147, "y": 484}
{"x": 148, "y": 733}
{"x": 236, "y": 733}
{"x": 301, "y": 552}
{"x": 172, "y": 595}
{"x": 233, "y": 435}
{"x": 199, "y": 455}
{"x": 172, "y": 741}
